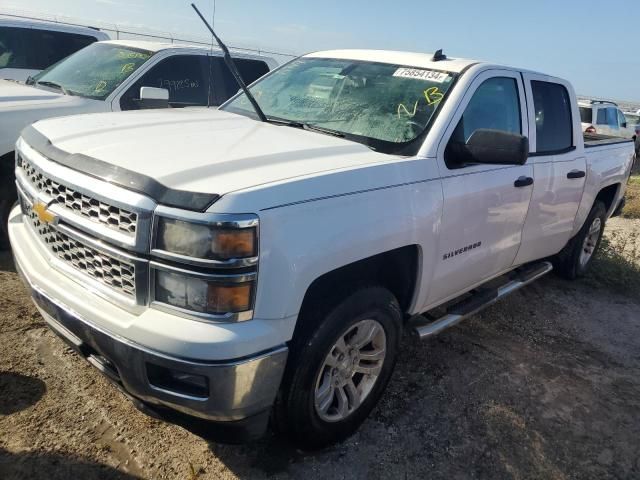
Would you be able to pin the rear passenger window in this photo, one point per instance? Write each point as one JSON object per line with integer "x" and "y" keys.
{"x": 586, "y": 114}
{"x": 250, "y": 71}
{"x": 554, "y": 126}
{"x": 37, "y": 49}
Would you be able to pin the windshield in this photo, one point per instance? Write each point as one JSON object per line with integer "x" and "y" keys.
{"x": 93, "y": 72}
{"x": 632, "y": 118}
{"x": 381, "y": 105}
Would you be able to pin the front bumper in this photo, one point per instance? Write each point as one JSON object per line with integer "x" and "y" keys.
{"x": 239, "y": 391}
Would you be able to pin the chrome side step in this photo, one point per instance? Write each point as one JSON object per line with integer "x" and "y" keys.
{"x": 480, "y": 299}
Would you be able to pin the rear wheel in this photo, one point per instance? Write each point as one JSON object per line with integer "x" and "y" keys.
{"x": 574, "y": 260}
{"x": 339, "y": 368}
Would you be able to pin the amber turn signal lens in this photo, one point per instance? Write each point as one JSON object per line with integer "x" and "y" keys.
{"x": 234, "y": 243}
{"x": 229, "y": 298}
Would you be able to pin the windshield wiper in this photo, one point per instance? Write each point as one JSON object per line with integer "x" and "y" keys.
{"x": 234, "y": 69}
{"x": 304, "y": 126}
{"x": 327, "y": 131}
{"x": 54, "y": 85}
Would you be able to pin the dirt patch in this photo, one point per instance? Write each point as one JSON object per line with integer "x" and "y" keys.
{"x": 545, "y": 384}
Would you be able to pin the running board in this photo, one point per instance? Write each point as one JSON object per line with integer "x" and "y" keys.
{"x": 480, "y": 299}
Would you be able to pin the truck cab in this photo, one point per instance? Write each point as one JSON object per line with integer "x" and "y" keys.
{"x": 248, "y": 263}
{"x": 115, "y": 76}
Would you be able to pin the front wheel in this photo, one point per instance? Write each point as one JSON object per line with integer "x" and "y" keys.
{"x": 339, "y": 370}
{"x": 574, "y": 260}
{"x": 5, "y": 209}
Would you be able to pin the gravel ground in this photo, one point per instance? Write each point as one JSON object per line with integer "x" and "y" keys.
{"x": 545, "y": 384}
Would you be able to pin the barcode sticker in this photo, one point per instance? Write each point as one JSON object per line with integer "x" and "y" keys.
{"x": 418, "y": 74}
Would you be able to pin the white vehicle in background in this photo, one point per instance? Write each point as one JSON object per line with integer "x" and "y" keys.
{"x": 633, "y": 120}
{"x": 113, "y": 76}
{"x": 262, "y": 260}
{"x": 604, "y": 118}
{"x": 29, "y": 46}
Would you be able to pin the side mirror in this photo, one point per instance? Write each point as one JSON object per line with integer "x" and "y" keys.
{"x": 151, "y": 97}
{"x": 492, "y": 147}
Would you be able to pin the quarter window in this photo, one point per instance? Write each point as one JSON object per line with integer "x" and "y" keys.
{"x": 554, "y": 126}
{"x": 495, "y": 105}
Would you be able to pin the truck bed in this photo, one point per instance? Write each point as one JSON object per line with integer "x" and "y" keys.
{"x": 597, "y": 140}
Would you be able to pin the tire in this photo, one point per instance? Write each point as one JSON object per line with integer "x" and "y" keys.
{"x": 5, "y": 209}
{"x": 298, "y": 413}
{"x": 574, "y": 260}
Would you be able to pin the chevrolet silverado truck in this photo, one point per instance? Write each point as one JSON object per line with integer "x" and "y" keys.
{"x": 261, "y": 261}
{"x": 115, "y": 76}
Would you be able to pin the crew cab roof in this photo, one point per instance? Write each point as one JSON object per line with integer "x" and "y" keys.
{"x": 413, "y": 59}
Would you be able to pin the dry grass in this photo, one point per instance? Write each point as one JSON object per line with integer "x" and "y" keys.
{"x": 617, "y": 263}
{"x": 632, "y": 208}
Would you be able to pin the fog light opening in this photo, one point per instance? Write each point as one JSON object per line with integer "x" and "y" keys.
{"x": 175, "y": 381}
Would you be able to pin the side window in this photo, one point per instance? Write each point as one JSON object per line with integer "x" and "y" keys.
{"x": 622, "y": 120}
{"x": 495, "y": 105}
{"x": 51, "y": 47}
{"x": 602, "y": 116}
{"x": 185, "y": 76}
{"x": 612, "y": 117}
{"x": 12, "y": 50}
{"x": 554, "y": 124}
{"x": 250, "y": 71}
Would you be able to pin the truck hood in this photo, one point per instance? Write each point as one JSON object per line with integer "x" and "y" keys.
{"x": 19, "y": 95}
{"x": 204, "y": 150}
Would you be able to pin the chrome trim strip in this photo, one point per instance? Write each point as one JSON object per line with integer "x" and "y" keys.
{"x": 216, "y": 220}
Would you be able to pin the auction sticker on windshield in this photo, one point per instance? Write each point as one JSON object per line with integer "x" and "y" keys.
{"x": 419, "y": 74}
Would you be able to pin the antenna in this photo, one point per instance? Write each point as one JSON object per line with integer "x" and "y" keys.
{"x": 233, "y": 68}
{"x": 438, "y": 56}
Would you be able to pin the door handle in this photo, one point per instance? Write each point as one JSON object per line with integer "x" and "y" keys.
{"x": 523, "y": 182}
{"x": 576, "y": 174}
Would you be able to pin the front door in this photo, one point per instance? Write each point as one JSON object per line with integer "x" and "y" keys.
{"x": 484, "y": 205}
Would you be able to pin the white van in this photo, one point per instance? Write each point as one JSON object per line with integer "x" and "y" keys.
{"x": 29, "y": 46}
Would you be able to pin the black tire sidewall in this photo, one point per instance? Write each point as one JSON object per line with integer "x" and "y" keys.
{"x": 5, "y": 209}
{"x": 598, "y": 211}
{"x": 303, "y": 423}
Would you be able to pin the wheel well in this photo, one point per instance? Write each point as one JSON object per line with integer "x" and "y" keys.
{"x": 607, "y": 195}
{"x": 395, "y": 270}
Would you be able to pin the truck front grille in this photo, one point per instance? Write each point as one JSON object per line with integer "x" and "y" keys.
{"x": 104, "y": 268}
{"x": 84, "y": 205}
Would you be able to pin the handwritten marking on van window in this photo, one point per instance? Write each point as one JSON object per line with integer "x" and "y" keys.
{"x": 420, "y": 74}
{"x": 182, "y": 84}
{"x": 409, "y": 114}
{"x": 101, "y": 86}
{"x": 133, "y": 55}
{"x": 128, "y": 68}
{"x": 433, "y": 95}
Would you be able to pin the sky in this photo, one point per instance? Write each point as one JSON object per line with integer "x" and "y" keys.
{"x": 591, "y": 43}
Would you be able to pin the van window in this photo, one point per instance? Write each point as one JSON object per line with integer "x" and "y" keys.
{"x": 34, "y": 49}
{"x": 185, "y": 76}
{"x": 250, "y": 71}
{"x": 554, "y": 126}
{"x": 612, "y": 117}
{"x": 495, "y": 105}
{"x": 586, "y": 114}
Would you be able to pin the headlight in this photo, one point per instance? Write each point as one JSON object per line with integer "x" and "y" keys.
{"x": 206, "y": 294}
{"x": 207, "y": 241}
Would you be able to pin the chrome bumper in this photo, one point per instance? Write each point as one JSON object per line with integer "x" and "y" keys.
{"x": 237, "y": 390}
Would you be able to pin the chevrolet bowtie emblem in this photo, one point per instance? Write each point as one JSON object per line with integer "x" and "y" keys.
{"x": 44, "y": 215}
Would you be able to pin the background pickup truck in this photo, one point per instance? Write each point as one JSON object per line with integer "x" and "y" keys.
{"x": 236, "y": 270}
{"x": 112, "y": 76}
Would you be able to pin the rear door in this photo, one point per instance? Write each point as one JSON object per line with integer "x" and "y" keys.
{"x": 484, "y": 205}
{"x": 559, "y": 167}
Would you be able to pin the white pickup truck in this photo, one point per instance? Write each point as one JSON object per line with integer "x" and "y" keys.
{"x": 234, "y": 270}
{"x": 115, "y": 76}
